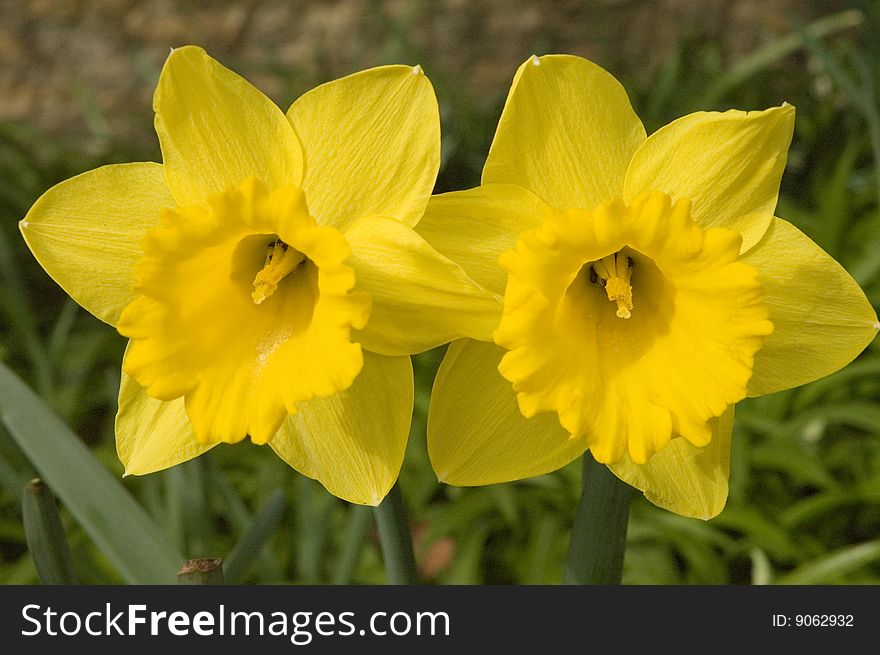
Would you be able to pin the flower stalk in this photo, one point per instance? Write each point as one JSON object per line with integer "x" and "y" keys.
{"x": 598, "y": 535}
{"x": 395, "y": 539}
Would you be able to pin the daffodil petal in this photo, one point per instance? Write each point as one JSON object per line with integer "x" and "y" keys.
{"x": 353, "y": 442}
{"x": 152, "y": 435}
{"x": 473, "y": 227}
{"x": 420, "y": 298}
{"x": 567, "y": 133}
{"x": 372, "y": 143}
{"x": 216, "y": 130}
{"x": 821, "y": 318}
{"x": 683, "y": 478}
{"x": 728, "y": 164}
{"x": 86, "y": 232}
{"x": 476, "y": 433}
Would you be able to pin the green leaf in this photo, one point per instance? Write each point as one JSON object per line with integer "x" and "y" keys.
{"x": 762, "y": 569}
{"x": 395, "y": 538}
{"x": 832, "y": 568}
{"x": 251, "y": 543}
{"x": 775, "y": 51}
{"x": 117, "y": 524}
{"x": 45, "y": 535}
{"x": 790, "y": 458}
{"x": 360, "y": 520}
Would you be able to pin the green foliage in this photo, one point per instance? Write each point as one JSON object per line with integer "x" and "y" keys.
{"x": 805, "y": 472}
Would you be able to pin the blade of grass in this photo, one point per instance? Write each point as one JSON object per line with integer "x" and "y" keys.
{"x": 776, "y": 50}
{"x": 835, "y": 566}
{"x": 45, "y": 535}
{"x": 395, "y": 538}
{"x": 862, "y": 95}
{"x": 61, "y": 330}
{"x": 117, "y": 524}
{"x": 360, "y": 520}
{"x": 249, "y": 547}
{"x": 15, "y": 306}
{"x": 811, "y": 394}
{"x": 313, "y": 508}
{"x": 762, "y": 569}
{"x": 10, "y": 478}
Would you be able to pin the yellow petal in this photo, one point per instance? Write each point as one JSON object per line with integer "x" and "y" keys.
{"x": 421, "y": 299}
{"x": 728, "y": 164}
{"x": 216, "y": 130}
{"x": 353, "y": 442}
{"x": 151, "y": 434}
{"x": 372, "y": 143}
{"x": 86, "y": 232}
{"x": 821, "y": 318}
{"x": 473, "y": 227}
{"x": 683, "y": 478}
{"x": 476, "y": 433}
{"x": 567, "y": 133}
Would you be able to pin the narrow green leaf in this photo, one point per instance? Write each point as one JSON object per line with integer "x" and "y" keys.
{"x": 546, "y": 534}
{"x": 832, "y": 568}
{"x": 468, "y": 567}
{"x": 790, "y": 458}
{"x": 360, "y": 520}
{"x": 815, "y": 507}
{"x": 248, "y": 548}
{"x": 812, "y": 393}
{"x": 61, "y": 330}
{"x": 17, "y": 310}
{"x": 313, "y": 509}
{"x": 45, "y": 535}
{"x": 762, "y": 569}
{"x": 776, "y": 50}
{"x": 761, "y": 532}
{"x": 117, "y": 524}
{"x": 395, "y": 539}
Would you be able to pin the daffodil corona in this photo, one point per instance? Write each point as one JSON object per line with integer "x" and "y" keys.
{"x": 630, "y": 322}
{"x": 644, "y": 284}
{"x": 267, "y": 273}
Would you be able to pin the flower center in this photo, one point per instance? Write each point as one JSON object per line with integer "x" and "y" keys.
{"x": 613, "y": 273}
{"x": 281, "y": 260}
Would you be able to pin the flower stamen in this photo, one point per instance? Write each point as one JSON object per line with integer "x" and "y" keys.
{"x": 613, "y": 273}
{"x": 281, "y": 260}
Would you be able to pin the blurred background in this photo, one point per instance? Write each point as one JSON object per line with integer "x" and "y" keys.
{"x": 76, "y": 80}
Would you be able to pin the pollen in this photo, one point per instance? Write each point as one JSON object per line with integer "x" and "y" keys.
{"x": 281, "y": 261}
{"x": 614, "y": 273}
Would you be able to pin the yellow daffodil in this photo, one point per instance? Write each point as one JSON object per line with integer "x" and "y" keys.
{"x": 267, "y": 273}
{"x": 644, "y": 288}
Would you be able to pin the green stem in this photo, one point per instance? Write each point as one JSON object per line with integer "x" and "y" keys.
{"x": 396, "y": 539}
{"x": 598, "y": 536}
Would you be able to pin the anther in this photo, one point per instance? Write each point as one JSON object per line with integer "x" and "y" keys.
{"x": 281, "y": 260}
{"x": 614, "y": 273}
